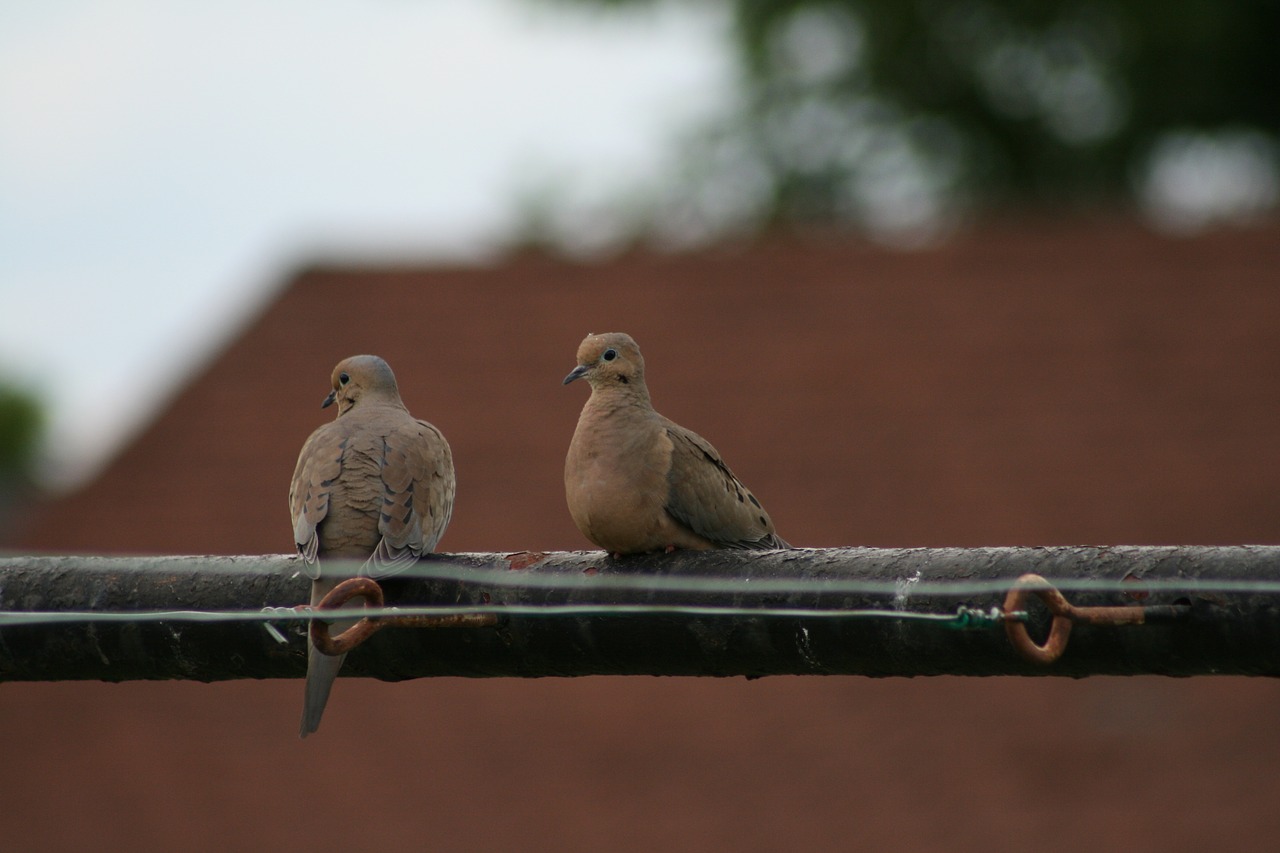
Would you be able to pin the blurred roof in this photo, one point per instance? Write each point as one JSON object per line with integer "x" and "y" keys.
{"x": 1024, "y": 384}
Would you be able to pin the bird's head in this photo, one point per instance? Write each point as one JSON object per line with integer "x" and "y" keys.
{"x": 609, "y": 360}
{"x": 361, "y": 377}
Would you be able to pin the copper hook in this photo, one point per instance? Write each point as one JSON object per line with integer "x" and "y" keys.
{"x": 1064, "y": 616}
{"x": 369, "y": 589}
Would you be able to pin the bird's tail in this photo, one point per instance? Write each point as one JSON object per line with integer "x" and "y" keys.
{"x": 322, "y": 669}
{"x": 768, "y": 542}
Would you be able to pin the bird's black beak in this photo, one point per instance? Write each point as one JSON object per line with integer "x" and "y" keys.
{"x": 328, "y": 401}
{"x": 577, "y": 373}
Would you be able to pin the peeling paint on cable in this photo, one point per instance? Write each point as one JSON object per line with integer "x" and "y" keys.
{"x": 902, "y": 590}
{"x": 806, "y": 648}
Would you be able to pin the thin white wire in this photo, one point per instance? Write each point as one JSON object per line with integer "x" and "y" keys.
{"x": 275, "y": 614}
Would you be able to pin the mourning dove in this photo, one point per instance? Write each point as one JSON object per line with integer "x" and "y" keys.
{"x": 637, "y": 482}
{"x": 375, "y": 484}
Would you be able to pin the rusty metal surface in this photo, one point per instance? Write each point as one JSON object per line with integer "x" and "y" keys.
{"x": 370, "y": 593}
{"x": 1065, "y": 615}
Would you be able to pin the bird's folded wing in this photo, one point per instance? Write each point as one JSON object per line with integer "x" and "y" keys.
{"x": 706, "y": 497}
{"x": 319, "y": 465}
{"x": 417, "y": 496}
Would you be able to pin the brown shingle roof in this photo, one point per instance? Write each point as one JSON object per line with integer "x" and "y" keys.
{"x": 1032, "y": 385}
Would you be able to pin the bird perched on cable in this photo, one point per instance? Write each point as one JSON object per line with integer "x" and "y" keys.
{"x": 374, "y": 485}
{"x": 635, "y": 481}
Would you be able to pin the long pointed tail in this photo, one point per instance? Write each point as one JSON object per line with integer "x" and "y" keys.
{"x": 322, "y": 669}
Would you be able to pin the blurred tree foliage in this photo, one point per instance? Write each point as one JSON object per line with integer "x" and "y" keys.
{"x": 883, "y": 111}
{"x": 21, "y": 428}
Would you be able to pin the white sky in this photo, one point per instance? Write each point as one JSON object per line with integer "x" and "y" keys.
{"x": 163, "y": 165}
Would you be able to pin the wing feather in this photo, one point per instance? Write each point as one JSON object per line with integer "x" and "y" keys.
{"x": 705, "y": 496}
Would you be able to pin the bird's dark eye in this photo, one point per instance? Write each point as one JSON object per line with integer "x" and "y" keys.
{"x": 343, "y": 379}
{"x": 610, "y": 354}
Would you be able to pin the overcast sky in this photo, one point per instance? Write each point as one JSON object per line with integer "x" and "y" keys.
{"x": 163, "y": 165}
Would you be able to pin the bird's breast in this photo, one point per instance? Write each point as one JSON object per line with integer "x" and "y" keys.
{"x": 616, "y": 481}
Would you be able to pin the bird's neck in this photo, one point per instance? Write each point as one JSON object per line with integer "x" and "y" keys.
{"x": 617, "y": 424}
{"x": 370, "y": 404}
{"x": 618, "y": 398}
